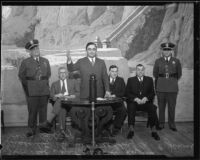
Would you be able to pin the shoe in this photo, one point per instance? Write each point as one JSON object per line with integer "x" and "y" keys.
{"x": 155, "y": 136}
{"x": 173, "y": 129}
{"x": 130, "y": 134}
{"x": 31, "y": 133}
{"x": 45, "y": 127}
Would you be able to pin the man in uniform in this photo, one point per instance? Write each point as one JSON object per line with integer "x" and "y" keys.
{"x": 34, "y": 74}
{"x": 167, "y": 71}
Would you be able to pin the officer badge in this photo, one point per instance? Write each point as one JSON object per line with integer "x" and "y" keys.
{"x": 173, "y": 62}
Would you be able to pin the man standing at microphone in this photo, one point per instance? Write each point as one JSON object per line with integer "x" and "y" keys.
{"x": 91, "y": 65}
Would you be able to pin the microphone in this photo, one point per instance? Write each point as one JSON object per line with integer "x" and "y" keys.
{"x": 93, "y": 88}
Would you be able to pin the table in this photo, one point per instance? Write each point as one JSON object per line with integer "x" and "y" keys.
{"x": 101, "y": 113}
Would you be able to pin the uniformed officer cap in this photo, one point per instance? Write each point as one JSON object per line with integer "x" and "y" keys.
{"x": 167, "y": 46}
{"x": 31, "y": 44}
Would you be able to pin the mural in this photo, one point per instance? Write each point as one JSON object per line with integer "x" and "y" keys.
{"x": 134, "y": 34}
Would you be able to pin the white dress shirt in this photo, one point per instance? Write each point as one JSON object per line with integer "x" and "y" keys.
{"x": 61, "y": 84}
{"x": 91, "y": 59}
{"x": 140, "y": 78}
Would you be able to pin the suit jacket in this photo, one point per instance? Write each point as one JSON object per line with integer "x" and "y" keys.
{"x": 161, "y": 67}
{"x": 30, "y": 68}
{"x": 134, "y": 89}
{"x": 118, "y": 88}
{"x": 86, "y": 69}
{"x": 72, "y": 86}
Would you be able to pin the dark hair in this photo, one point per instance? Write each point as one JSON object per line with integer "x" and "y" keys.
{"x": 90, "y": 43}
{"x": 139, "y": 65}
{"x": 113, "y": 66}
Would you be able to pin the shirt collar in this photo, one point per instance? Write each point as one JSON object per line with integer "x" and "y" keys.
{"x": 168, "y": 58}
{"x": 94, "y": 58}
{"x": 142, "y": 78}
{"x": 112, "y": 79}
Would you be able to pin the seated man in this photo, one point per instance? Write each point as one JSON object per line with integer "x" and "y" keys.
{"x": 117, "y": 89}
{"x": 140, "y": 94}
{"x": 63, "y": 87}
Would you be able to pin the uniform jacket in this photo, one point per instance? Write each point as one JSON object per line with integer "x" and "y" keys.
{"x": 85, "y": 68}
{"x": 72, "y": 86}
{"x": 133, "y": 89}
{"x": 118, "y": 88}
{"x": 161, "y": 67}
{"x": 30, "y": 68}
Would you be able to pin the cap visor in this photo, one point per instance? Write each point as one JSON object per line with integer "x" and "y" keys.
{"x": 34, "y": 45}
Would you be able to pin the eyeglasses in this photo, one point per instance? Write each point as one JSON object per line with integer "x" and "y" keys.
{"x": 91, "y": 49}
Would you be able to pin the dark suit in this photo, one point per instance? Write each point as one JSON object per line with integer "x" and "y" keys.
{"x": 135, "y": 89}
{"x": 167, "y": 87}
{"x": 35, "y": 81}
{"x": 118, "y": 89}
{"x": 73, "y": 89}
{"x": 85, "y": 67}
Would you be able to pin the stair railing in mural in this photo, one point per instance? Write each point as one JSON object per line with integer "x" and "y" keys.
{"x": 124, "y": 24}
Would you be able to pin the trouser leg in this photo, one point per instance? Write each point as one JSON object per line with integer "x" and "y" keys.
{"x": 131, "y": 109}
{"x": 62, "y": 118}
{"x": 120, "y": 115}
{"x": 162, "y": 105}
{"x": 171, "y": 97}
{"x": 32, "y": 112}
{"x": 42, "y": 108}
{"x": 152, "y": 115}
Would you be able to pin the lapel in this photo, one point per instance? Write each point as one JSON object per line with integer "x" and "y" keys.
{"x": 68, "y": 85}
{"x": 58, "y": 86}
{"x": 91, "y": 62}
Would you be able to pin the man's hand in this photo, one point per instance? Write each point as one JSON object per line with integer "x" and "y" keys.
{"x": 139, "y": 101}
{"x": 107, "y": 94}
{"x": 71, "y": 96}
{"x": 68, "y": 55}
{"x": 112, "y": 95}
{"x": 144, "y": 100}
{"x": 59, "y": 95}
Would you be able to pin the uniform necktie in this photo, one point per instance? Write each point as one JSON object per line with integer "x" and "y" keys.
{"x": 167, "y": 60}
{"x": 37, "y": 59}
{"x": 63, "y": 90}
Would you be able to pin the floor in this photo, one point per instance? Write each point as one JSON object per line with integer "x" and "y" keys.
{"x": 172, "y": 144}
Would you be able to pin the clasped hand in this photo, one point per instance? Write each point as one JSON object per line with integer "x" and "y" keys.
{"x": 141, "y": 101}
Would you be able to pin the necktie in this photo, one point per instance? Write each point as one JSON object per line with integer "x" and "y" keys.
{"x": 166, "y": 60}
{"x": 37, "y": 60}
{"x": 140, "y": 79}
{"x": 63, "y": 90}
{"x": 112, "y": 81}
{"x": 93, "y": 62}
{"x": 140, "y": 86}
